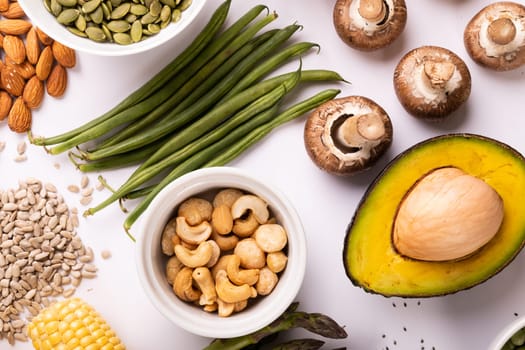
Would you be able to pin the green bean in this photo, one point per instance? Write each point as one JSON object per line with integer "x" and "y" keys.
{"x": 198, "y": 72}
{"x": 130, "y": 158}
{"x": 239, "y": 124}
{"x": 257, "y": 134}
{"x": 201, "y": 159}
{"x": 172, "y": 121}
{"x": 271, "y": 64}
{"x": 205, "y": 74}
{"x": 139, "y": 193}
{"x": 188, "y": 55}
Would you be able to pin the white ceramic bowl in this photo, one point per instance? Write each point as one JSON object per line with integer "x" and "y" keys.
{"x": 41, "y": 18}
{"x": 506, "y": 333}
{"x": 151, "y": 261}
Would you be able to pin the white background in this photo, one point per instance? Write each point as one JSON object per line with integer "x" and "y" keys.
{"x": 466, "y": 320}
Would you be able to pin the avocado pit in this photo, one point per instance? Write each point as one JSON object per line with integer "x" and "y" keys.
{"x": 447, "y": 215}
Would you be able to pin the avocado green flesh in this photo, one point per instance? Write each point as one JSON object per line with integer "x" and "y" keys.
{"x": 372, "y": 263}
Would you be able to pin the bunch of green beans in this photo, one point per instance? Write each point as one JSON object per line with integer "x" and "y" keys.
{"x": 206, "y": 107}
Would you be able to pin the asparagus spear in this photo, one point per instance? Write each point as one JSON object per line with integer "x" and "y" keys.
{"x": 300, "y": 344}
{"x": 314, "y": 322}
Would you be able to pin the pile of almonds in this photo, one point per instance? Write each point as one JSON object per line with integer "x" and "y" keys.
{"x": 31, "y": 63}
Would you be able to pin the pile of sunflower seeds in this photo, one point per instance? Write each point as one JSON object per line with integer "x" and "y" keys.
{"x": 120, "y": 21}
{"x": 42, "y": 257}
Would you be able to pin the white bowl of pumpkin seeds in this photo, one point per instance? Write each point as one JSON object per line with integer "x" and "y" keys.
{"x": 112, "y": 27}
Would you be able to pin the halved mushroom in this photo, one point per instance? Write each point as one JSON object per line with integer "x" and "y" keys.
{"x": 346, "y": 135}
{"x": 431, "y": 82}
{"x": 495, "y": 36}
{"x": 369, "y": 24}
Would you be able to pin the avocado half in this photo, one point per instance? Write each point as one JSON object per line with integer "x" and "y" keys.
{"x": 372, "y": 262}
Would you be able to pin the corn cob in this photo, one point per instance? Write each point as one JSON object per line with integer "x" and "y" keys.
{"x": 72, "y": 324}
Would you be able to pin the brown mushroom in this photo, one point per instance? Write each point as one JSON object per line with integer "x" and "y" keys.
{"x": 346, "y": 135}
{"x": 431, "y": 82}
{"x": 495, "y": 36}
{"x": 369, "y": 24}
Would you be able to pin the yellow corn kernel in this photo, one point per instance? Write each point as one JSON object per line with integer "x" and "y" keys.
{"x": 72, "y": 324}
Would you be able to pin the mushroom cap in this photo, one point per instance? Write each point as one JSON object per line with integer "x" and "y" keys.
{"x": 424, "y": 103}
{"x": 504, "y": 57}
{"x": 355, "y": 36}
{"x": 331, "y": 155}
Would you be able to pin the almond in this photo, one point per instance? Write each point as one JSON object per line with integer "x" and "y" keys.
{"x": 33, "y": 92}
{"x": 14, "y": 11}
{"x": 63, "y": 54}
{"x": 25, "y": 69}
{"x": 19, "y": 118}
{"x": 45, "y": 63}
{"x": 14, "y": 26}
{"x": 14, "y": 48}
{"x": 5, "y": 104}
{"x": 57, "y": 81}
{"x": 4, "y": 5}
{"x": 12, "y": 82}
{"x": 43, "y": 37}
{"x": 32, "y": 46}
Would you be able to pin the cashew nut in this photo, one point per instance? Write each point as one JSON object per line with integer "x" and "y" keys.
{"x": 195, "y": 210}
{"x": 231, "y": 293}
{"x": 252, "y": 256}
{"x": 202, "y": 277}
{"x": 240, "y": 276}
{"x": 225, "y": 242}
{"x": 225, "y": 309}
{"x": 221, "y": 264}
{"x": 215, "y": 253}
{"x": 193, "y": 234}
{"x": 276, "y": 261}
{"x": 196, "y": 257}
{"x": 183, "y": 285}
{"x": 270, "y": 237}
{"x": 173, "y": 266}
{"x": 250, "y": 202}
{"x": 240, "y": 305}
{"x": 226, "y": 197}
{"x": 166, "y": 241}
{"x": 222, "y": 220}
{"x": 245, "y": 227}
{"x": 267, "y": 281}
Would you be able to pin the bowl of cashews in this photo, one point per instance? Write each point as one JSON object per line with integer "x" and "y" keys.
{"x": 220, "y": 253}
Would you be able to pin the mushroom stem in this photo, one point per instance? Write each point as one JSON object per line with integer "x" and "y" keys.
{"x": 372, "y": 10}
{"x": 501, "y": 31}
{"x": 357, "y": 130}
{"x": 437, "y": 74}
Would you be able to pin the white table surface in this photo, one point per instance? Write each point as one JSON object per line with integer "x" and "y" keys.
{"x": 466, "y": 320}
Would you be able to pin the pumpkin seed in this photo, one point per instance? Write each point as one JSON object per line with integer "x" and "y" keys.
{"x": 184, "y": 5}
{"x": 155, "y": 8}
{"x": 106, "y": 11}
{"x": 165, "y": 13}
{"x": 56, "y": 8}
{"x": 138, "y": 9}
{"x": 119, "y": 26}
{"x": 91, "y": 6}
{"x": 170, "y": 3}
{"x": 107, "y": 32}
{"x": 148, "y": 18}
{"x": 136, "y": 31}
{"x": 47, "y": 5}
{"x": 97, "y": 16}
{"x": 146, "y": 3}
{"x": 115, "y": 3}
{"x": 131, "y": 18}
{"x": 122, "y": 38}
{"x": 80, "y": 23}
{"x": 96, "y": 34}
{"x": 175, "y": 15}
{"x": 120, "y": 11}
{"x": 68, "y": 3}
{"x": 153, "y": 28}
{"x": 164, "y": 24}
{"x": 68, "y": 16}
